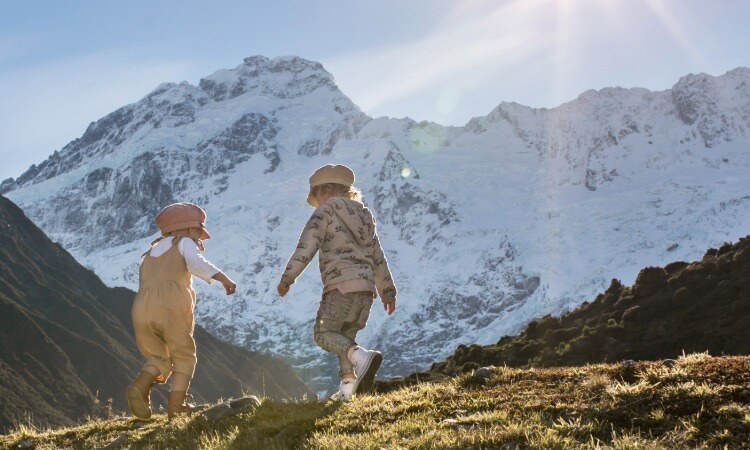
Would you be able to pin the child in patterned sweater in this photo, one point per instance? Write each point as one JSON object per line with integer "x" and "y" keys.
{"x": 353, "y": 269}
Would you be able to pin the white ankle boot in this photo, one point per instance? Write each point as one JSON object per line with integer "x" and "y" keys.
{"x": 366, "y": 364}
{"x": 346, "y": 391}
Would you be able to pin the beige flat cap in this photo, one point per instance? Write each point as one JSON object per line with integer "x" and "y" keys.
{"x": 331, "y": 173}
{"x": 181, "y": 216}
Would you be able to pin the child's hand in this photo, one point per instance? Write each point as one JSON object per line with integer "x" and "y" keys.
{"x": 390, "y": 307}
{"x": 229, "y": 285}
{"x": 283, "y": 288}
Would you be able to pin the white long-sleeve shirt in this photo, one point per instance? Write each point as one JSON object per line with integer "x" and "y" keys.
{"x": 196, "y": 263}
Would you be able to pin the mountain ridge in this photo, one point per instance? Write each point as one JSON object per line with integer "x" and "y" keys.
{"x": 218, "y": 90}
{"x": 518, "y": 214}
{"x": 224, "y": 84}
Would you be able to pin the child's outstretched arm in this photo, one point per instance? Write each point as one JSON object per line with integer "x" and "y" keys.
{"x": 229, "y": 285}
{"x": 383, "y": 280}
{"x": 199, "y": 266}
{"x": 309, "y": 243}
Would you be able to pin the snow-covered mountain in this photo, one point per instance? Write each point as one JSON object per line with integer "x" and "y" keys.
{"x": 517, "y": 214}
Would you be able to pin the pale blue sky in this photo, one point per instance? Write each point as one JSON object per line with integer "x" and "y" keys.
{"x": 64, "y": 64}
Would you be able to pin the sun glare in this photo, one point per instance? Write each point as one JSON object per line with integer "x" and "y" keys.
{"x": 668, "y": 20}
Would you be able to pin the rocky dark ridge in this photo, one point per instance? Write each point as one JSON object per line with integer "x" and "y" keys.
{"x": 703, "y": 306}
{"x": 66, "y": 343}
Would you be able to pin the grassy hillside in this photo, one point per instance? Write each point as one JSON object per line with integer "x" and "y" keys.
{"x": 683, "y": 307}
{"x": 694, "y": 402}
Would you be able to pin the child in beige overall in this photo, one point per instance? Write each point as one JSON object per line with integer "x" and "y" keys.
{"x": 163, "y": 309}
{"x": 353, "y": 268}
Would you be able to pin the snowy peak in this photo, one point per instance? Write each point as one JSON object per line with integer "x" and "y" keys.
{"x": 284, "y": 77}
{"x": 590, "y": 138}
{"x": 695, "y": 97}
{"x": 258, "y": 85}
{"x": 718, "y": 107}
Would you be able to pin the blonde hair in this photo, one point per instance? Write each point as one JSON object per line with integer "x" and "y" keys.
{"x": 328, "y": 190}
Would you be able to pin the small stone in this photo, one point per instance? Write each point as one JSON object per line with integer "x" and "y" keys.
{"x": 27, "y": 443}
{"x": 244, "y": 404}
{"x": 483, "y": 373}
{"x": 509, "y": 446}
{"x": 629, "y": 363}
{"x": 456, "y": 424}
{"x": 218, "y": 411}
{"x": 670, "y": 363}
{"x": 232, "y": 407}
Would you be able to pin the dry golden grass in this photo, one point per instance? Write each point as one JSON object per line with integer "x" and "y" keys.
{"x": 700, "y": 402}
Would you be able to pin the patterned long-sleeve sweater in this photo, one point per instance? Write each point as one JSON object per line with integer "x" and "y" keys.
{"x": 344, "y": 232}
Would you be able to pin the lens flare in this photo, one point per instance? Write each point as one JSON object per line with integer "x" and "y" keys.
{"x": 427, "y": 137}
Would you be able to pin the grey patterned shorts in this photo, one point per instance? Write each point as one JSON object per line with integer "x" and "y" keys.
{"x": 340, "y": 317}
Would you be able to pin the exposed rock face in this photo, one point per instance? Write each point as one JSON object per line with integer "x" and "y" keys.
{"x": 519, "y": 213}
{"x": 695, "y": 98}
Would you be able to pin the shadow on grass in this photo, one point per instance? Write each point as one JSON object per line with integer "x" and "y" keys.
{"x": 272, "y": 426}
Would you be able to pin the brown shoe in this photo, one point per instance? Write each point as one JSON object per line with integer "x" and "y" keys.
{"x": 176, "y": 404}
{"x": 139, "y": 395}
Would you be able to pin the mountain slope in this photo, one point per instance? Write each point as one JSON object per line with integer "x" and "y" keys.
{"x": 703, "y": 306}
{"x": 517, "y": 214}
{"x": 66, "y": 338}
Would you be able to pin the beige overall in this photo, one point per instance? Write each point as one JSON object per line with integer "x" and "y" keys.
{"x": 163, "y": 314}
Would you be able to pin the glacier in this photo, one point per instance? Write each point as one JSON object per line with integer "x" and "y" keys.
{"x": 517, "y": 214}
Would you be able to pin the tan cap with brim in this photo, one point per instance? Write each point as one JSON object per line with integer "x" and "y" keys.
{"x": 181, "y": 216}
{"x": 331, "y": 173}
